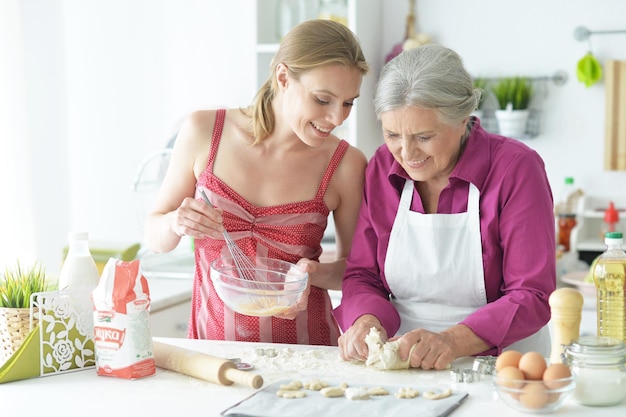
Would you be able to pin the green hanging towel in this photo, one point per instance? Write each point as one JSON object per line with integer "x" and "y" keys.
{"x": 589, "y": 70}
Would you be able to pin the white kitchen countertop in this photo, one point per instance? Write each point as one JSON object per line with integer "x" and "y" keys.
{"x": 167, "y": 393}
{"x": 84, "y": 393}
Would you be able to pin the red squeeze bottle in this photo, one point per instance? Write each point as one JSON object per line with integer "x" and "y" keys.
{"x": 611, "y": 217}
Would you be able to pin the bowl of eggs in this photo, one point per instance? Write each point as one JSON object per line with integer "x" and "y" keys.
{"x": 528, "y": 383}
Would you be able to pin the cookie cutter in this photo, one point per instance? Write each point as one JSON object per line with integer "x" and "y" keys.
{"x": 269, "y": 352}
{"x": 482, "y": 366}
{"x": 463, "y": 375}
{"x": 242, "y": 366}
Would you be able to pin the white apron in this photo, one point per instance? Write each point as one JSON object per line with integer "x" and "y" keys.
{"x": 434, "y": 260}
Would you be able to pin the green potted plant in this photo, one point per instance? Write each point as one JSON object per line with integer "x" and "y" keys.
{"x": 481, "y": 84}
{"x": 513, "y": 95}
{"x": 16, "y": 287}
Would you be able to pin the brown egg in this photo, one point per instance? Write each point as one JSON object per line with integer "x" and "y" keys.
{"x": 553, "y": 379}
{"x": 533, "y": 396}
{"x": 508, "y": 358}
{"x": 554, "y": 373}
{"x": 510, "y": 377}
{"x": 553, "y": 397}
{"x": 533, "y": 365}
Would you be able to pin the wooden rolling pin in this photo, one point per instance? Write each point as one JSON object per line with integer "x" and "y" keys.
{"x": 202, "y": 366}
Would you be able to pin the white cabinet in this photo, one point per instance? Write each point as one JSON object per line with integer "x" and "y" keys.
{"x": 365, "y": 20}
{"x": 171, "y": 321}
{"x": 170, "y": 282}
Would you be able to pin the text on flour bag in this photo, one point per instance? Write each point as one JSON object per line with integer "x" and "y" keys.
{"x": 122, "y": 338}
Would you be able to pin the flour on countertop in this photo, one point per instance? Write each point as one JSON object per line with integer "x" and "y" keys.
{"x": 314, "y": 363}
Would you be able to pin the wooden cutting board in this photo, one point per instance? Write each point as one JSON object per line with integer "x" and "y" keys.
{"x": 615, "y": 140}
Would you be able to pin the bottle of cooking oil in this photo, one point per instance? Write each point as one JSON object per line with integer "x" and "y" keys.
{"x": 609, "y": 275}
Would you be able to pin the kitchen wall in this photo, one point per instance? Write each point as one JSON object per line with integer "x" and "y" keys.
{"x": 535, "y": 38}
{"x": 109, "y": 82}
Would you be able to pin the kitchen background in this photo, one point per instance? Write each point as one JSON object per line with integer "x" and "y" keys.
{"x": 90, "y": 89}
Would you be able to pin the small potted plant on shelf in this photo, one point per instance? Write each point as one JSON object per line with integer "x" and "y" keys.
{"x": 16, "y": 287}
{"x": 513, "y": 95}
{"x": 481, "y": 84}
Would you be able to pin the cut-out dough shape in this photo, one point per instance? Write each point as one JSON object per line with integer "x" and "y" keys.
{"x": 290, "y": 394}
{"x": 432, "y": 395}
{"x": 292, "y": 386}
{"x": 357, "y": 393}
{"x": 376, "y": 391}
{"x": 406, "y": 393}
{"x": 332, "y": 392}
{"x": 315, "y": 385}
{"x": 384, "y": 355}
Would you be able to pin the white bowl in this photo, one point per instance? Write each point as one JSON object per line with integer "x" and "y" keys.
{"x": 268, "y": 287}
{"x": 578, "y": 279}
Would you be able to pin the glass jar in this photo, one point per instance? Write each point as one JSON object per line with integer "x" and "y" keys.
{"x": 598, "y": 364}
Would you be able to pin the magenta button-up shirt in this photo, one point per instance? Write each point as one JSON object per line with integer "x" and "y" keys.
{"x": 517, "y": 233}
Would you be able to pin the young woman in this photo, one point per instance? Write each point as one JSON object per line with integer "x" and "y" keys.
{"x": 274, "y": 172}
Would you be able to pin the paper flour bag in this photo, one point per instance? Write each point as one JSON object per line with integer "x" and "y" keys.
{"x": 122, "y": 338}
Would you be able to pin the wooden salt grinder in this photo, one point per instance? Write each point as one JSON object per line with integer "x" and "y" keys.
{"x": 566, "y": 306}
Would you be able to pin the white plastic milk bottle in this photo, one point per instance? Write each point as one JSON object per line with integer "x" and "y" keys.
{"x": 79, "y": 271}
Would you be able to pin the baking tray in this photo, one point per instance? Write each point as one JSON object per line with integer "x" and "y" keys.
{"x": 265, "y": 403}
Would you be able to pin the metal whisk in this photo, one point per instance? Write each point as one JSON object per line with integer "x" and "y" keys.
{"x": 245, "y": 267}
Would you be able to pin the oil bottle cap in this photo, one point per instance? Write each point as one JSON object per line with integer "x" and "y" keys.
{"x": 613, "y": 238}
{"x": 610, "y": 214}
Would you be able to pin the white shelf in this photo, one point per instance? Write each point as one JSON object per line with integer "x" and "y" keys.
{"x": 267, "y": 48}
{"x": 599, "y": 214}
{"x": 587, "y": 234}
{"x": 591, "y": 246}
{"x": 364, "y": 19}
{"x": 489, "y": 123}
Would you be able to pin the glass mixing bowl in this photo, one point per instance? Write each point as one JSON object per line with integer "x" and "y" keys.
{"x": 257, "y": 286}
{"x": 537, "y": 397}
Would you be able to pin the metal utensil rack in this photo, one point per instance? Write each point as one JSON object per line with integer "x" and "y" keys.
{"x": 581, "y": 33}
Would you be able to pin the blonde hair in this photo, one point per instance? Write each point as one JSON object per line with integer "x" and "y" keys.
{"x": 309, "y": 45}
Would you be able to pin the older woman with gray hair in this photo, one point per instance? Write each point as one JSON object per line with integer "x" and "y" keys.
{"x": 454, "y": 250}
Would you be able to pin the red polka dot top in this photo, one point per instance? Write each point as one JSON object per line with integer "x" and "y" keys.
{"x": 288, "y": 232}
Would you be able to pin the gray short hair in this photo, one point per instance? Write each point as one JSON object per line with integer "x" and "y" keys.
{"x": 430, "y": 76}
